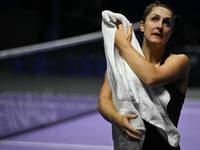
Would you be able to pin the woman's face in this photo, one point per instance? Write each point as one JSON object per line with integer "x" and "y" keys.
{"x": 157, "y": 28}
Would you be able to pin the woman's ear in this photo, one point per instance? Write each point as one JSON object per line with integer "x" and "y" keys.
{"x": 142, "y": 26}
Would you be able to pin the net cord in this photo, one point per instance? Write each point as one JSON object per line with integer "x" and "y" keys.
{"x": 57, "y": 44}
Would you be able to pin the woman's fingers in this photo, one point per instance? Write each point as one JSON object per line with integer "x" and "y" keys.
{"x": 133, "y": 137}
{"x": 123, "y": 123}
{"x": 129, "y": 32}
{"x": 132, "y": 130}
{"x": 130, "y": 116}
{"x": 121, "y": 27}
{"x": 122, "y": 34}
{"x": 128, "y": 131}
{"x": 130, "y": 28}
{"x": 130, "y": 136}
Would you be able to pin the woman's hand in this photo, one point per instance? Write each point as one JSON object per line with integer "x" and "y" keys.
{"x": 107, "y": 110}
{"x": 121, "y": 36}
{"x": 122, "y": 122}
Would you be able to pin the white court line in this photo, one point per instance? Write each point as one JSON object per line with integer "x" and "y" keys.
{"x": 54, "y": 145}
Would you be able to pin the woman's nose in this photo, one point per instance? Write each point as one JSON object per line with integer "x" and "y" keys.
{"x": 159, "y": 25}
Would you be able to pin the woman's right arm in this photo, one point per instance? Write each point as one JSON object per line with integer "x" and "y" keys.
{"x": 105, "y": 105}
{"x": 107, "y": 110}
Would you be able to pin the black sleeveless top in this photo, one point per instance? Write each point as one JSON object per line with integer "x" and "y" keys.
{"x": 153, "y": 139}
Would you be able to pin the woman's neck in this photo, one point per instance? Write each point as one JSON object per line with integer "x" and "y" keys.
{"x": 153, "y": 53}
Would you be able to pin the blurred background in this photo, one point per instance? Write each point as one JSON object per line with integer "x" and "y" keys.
{"x": 25, "y": 22}
{"x": 48, "y": 86}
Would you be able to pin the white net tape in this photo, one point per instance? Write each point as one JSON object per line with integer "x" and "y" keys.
{"x": 57, "y": 44}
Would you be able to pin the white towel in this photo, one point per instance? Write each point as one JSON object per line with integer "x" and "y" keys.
{"x": 129, "y": 94}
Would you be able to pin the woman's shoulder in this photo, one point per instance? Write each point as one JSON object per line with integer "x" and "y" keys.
{"x": 179, "y": 58}
{"x": 179, "y": 62}
{"x": 183, "y": 56}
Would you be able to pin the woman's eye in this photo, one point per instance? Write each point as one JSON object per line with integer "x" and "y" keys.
{"x": 167, "y": 23}
{"x": 154, "y": 19}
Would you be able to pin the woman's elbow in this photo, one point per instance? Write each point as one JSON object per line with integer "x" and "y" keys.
{"x": 98, "y": 104}
{"x": 151, "y": 82}
{"x": 98, "y": 107}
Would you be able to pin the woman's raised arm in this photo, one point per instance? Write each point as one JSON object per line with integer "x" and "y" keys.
{"x": 174, "y": 68}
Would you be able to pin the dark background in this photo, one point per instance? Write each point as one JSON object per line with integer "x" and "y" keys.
{"x": 25, "y": 22}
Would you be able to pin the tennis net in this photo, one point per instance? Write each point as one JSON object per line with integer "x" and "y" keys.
{"x": 49, "y": 82}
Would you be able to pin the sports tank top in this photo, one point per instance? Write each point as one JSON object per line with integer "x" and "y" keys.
{"x": 177, "y": 98}
{"x": 153, "y": 139}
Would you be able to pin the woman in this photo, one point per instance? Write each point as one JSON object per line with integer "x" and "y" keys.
{"x": 156, "y": 69}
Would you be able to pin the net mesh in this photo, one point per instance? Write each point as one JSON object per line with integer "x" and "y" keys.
{"x": 45, "y": 83}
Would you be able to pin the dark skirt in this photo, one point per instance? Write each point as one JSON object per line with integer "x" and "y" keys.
{"x": 154, "y": 140}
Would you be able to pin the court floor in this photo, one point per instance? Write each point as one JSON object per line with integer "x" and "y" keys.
{"x": 92, "y": 132}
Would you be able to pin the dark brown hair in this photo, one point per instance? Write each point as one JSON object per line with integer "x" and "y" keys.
{"x": 150, "y": 7}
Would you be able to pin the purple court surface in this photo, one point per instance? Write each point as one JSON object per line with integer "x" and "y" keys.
{"x": 92, "y": 132}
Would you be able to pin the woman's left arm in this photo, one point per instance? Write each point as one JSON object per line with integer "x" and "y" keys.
{"x": 175, "y": 67}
